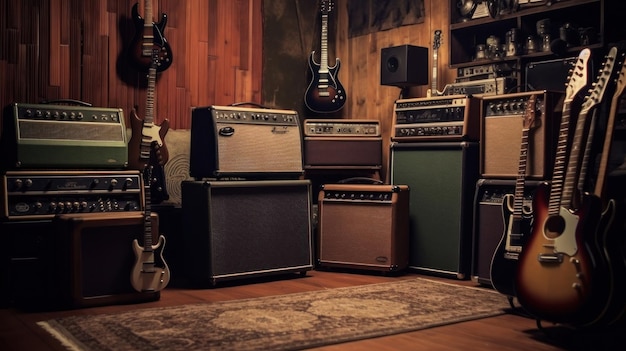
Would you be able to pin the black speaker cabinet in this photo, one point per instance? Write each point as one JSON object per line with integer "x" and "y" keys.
{"x": 404, "y": 65}
{"x": 489, "y": 222}
{"x": 549, "y": 75}
{"x": 364, "y": 226}
{"x": 95, "y": 258}
{"x": 442, "y": 178}
{"x": 26, "y": 266}
{"x": 501, "y": 135}
{"x": 242, "y": 229}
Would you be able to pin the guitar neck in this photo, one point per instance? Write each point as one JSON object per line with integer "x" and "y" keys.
{"x": 148, "y": 33}
{"x": 518, "y": 200}
{"x": 150, "y": 97}
{"x": 147, "y": 238}
{"x": 434, "y": 77}
{"x": 324, "y": 45}
{"x": 560, "y": 159}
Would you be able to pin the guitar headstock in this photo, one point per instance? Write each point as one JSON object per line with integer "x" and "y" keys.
{"x": 579, "y": 76}
{"x": 529, "y": 112}
{"x": 621, "y": 78}
{"x": 326, "y": 6}
{"x": 606, "y": 76}
{"x": 437, "y": 39}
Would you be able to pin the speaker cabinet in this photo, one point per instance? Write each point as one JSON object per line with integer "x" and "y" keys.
{"x": 442, "y": 178}
{"x": 364, "y": 226}
{"x": 549, "y": 75}
{"x": 489, "y": 222}
{"x": 95, "y": 257}
{"x": 242, "y": 229}
{"x": 501, "y": 135}
{"x": 243, "y": 142}
{"x": 404, "y": 65}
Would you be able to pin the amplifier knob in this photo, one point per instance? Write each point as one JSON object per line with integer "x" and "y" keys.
{"x": 52, "y": 207}
{"x": 113, "y": 183}
{"x": 18, "y": 183}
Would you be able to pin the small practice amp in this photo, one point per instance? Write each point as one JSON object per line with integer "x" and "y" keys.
{"x": 229, "y": 141}
{"x": 441, "y": 118}
{"x": 342, "y": 144}
{"x": 364, "y": 226}
{"x": 501, "y": 135}
{"x": 48, "y": 136}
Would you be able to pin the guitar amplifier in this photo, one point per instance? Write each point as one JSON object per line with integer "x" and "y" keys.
{"x": 364, "y": 226}
{"x": 342, "y": 144}
{"x": 501, "y": 135}
{"x": 38, "y": 136}
{"x": 441, "y": 118}
{"x": 242, "y": 142}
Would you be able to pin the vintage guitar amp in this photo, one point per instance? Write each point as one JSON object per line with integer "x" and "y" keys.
{"x": 364, "y": 226}
{"x": 229, "y": 141}
{"x": 48, "y": 136}
{"x": 45, "y": 194}
{"x": 441, "y": 118}
{"x": 501, "y": 134}
{"x": 342, "y": 144}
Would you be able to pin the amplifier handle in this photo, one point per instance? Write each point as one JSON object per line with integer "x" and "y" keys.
{"x": 360, "y": 180}
{"x": 250, "y": 103}
{"x": 68, "y": 102}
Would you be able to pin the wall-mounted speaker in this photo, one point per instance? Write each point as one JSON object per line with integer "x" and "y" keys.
{"x": 95, "y": 258}
{"x": 404, "y": 65}
{"x": 501, "y": 135}
{"x": 442, "y": 178}
{"x": 242, "y": 229}
{"x": 364, "y": 226}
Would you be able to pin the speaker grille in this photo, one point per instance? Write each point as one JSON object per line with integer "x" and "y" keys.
{"x": 83, "y": 131}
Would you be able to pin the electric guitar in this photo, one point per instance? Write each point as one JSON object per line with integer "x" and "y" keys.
{"x": 325, "y": 94}
{"x": 148, "y": 137}
{"x": 148, "y": 275}
{"x": 517, "y": 219}
{"x": 555, "y": 279}
{"x": 610, "y": 236}
{"x": 149, "y": 37}
{"x": 436, "y": 44}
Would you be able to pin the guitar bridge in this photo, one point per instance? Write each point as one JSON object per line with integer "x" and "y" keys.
{"x": 550, "y": 258}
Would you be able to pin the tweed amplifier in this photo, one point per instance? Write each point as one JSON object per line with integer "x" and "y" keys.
{"x": 229, "y": 141}
{"x": 501, "y": 135}
{"x": 453, "y": 118}
{"x": 45, "y": 194}
{"x": 63, "y": 137}
{"x": 364, "y": 226}
{"x": 342, "y": 144}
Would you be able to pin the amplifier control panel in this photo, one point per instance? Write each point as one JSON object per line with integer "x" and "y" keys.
{"x": 233, "y": 114}
{"x": 342, "y": 127}
{"x": 44, "y": 194}
{"x": 436, "y": 118}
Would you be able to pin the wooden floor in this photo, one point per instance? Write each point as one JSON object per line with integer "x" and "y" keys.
{"x": 506, "y": 332}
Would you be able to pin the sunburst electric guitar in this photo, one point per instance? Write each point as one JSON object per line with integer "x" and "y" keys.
{"x": 325, "y": 94}
{"x": 556, "y": 270}
{"x": 149, "y": 36}
{"x": 517, "y": 218}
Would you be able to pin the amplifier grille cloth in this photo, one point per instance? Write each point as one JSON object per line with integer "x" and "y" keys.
{"x": 83, "y": 131}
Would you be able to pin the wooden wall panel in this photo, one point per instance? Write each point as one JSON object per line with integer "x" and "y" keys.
{"x": 76, "y": 49}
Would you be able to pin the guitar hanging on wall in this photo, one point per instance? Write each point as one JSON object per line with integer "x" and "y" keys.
{"x": 325, "y": 94}
{"x": 433, "y": 85}
{"x": 149, "y": 36}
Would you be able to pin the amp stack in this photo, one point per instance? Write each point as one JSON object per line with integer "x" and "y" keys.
{"x": 434, "y": 150}
{"x": 65, "y": 164}
{"x": 247, "y": 213}
{"x": 518, "y": 137}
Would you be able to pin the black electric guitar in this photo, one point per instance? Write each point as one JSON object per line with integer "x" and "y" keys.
{"x": 610, "y": 236}
{"x": 325, "y": 94}
{"x": 556, "y": 278}
{"x": 149, "y": 37}
{"x": 148, "y": 275}
{"x": 433, "y": 85}
{"x": 148, "y": 137}
{"x": 517, "y": 218}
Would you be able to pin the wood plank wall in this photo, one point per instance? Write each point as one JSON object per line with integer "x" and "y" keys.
{"x": 76, "y": 49}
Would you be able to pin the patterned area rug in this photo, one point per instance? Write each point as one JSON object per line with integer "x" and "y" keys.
{"x": 286, "y": 322}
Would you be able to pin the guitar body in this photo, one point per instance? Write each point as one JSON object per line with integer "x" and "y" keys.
{"x": 146, "y": 276}
{"x": 138, "y": 59}
{"x": 550, "y": 284}
{"x": 504, "y": 263}
{"x": 146, "y": 134}
{"x": 325, "y": 94}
